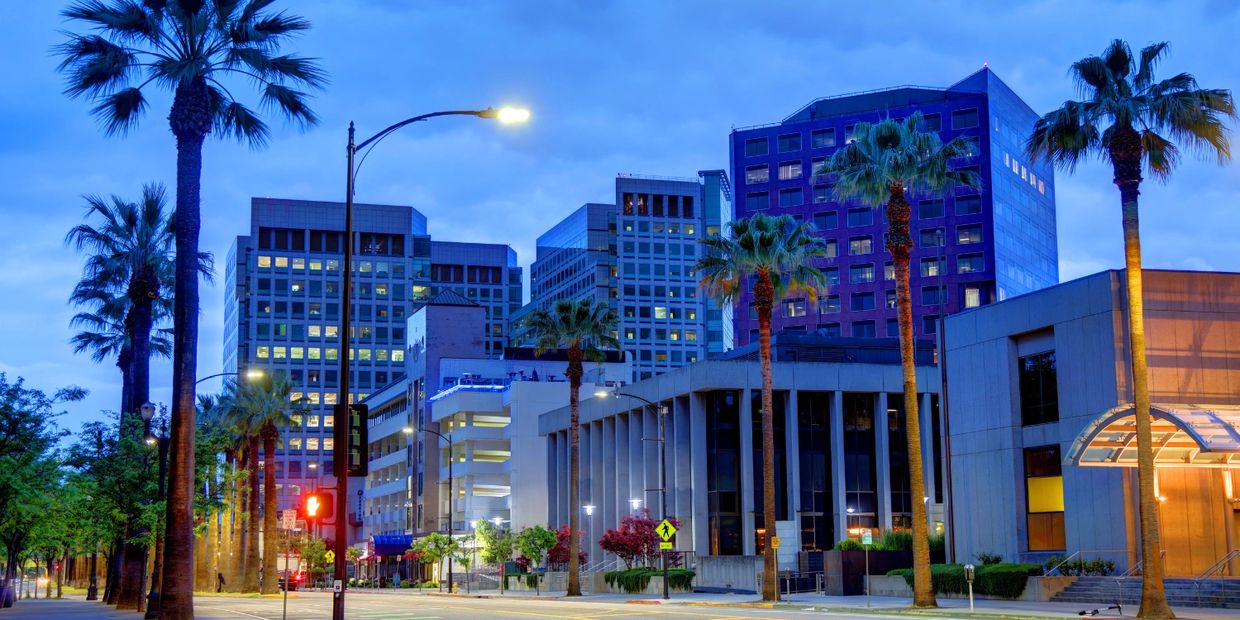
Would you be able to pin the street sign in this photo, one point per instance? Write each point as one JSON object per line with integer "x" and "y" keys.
{"x": 867, "y": 537}
{"x": 666, "y": 546}
{"x": 775, "y": 542}
{"x": 330, "y": 556}
{"x": 665, "y": 530}
{"x": 288, "y": 519}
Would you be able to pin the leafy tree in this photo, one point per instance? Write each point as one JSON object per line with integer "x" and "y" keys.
{"x": 191, "y": 48}
{"x": 636, "y": 539}
{"x": 584, "y": 329}
{"x": 1130, "y": 120}
{"x": 534, "y": 542}
{"x": 433, "y": 548}
{"x": 881, "y": 165}
{"x": 497, "y": 545}
{"x": 558, "y": 555}
{"x": 777, "y": 253}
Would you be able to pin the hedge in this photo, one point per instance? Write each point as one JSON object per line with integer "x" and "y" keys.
{"x": 636, "y": 579}
{"x": 1002, "y": 580}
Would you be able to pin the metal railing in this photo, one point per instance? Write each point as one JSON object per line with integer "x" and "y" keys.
{"x": 1221, "y": 565}
{"x": 795, "y": 583}
{"x": 1078, "y": 558}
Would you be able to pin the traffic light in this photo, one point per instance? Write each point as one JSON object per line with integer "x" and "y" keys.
{"x": 317, "y": 506}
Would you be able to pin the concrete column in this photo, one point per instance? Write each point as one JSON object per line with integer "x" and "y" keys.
{"x": 680, "y": 452}
{"x": 838, "y": 484}
{"x": 553, "y": 481}
{"x": 623, "y": 454}
{"x": 792, "y": 458}
{"x": 924, "y": 415}
{"x": 607, "y": 463}
{"x": 650, "y": 484}
{"x": 598, "y": 492}
{"x": 882, "y": 459}
{"x": 561, "y": 458}
{"x": 637, "y": 454}
{"x": 747, "y": 472}
{"x": 699, "y": 519}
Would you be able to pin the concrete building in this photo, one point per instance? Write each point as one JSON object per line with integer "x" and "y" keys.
{"x": 971, "y": 248}
{"x": 486, "y": 274}
{"x": 840, "y": 448}
{"x": 1042, "y": 437}
{"x": 637, "y": 256}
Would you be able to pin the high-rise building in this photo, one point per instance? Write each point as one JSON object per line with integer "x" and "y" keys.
{"x": 971, "y": 247}
{"x": 282, "y": 306}
{"x": 637, "y": 256}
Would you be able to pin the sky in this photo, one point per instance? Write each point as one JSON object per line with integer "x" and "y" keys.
{"x": 640, "y": 86}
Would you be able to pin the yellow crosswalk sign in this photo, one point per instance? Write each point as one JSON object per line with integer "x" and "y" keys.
{"x": 665, "y": 530}
{"x": 330, "y": 556}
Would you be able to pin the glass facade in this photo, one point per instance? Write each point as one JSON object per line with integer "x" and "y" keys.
{"x": 860, "y": 464}
{"x": 814, "y": 458}
{"x": 723, "y": 464}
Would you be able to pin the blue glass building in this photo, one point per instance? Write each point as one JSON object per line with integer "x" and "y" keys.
{"x": 972, "y": 246}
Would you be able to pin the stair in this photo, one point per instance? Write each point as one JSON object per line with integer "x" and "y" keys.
{"x": 1213, "y": 593}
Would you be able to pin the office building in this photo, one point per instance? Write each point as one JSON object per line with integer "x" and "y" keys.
{"x": 840, "y": 449}
{"x": 637, "y": 256}
{"x": 971, "y": 247}
{"x": 1043, "y": 449}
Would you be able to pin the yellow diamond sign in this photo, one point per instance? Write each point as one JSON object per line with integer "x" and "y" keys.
{"x": 330, "y": 556}
{"x": 665, "y": 530}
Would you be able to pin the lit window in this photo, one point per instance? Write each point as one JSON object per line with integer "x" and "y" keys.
{"x": 689, "y": 228}
{"x": 264, "y": 262}
{"x": 333, "y": 264}
{"x": 294, "y": 443}
{"x": 794, "y": 308}
{"x": 299, "y": 263}
{"x": 972, "y": 297}
{"x": 329, "y": 398}
{"x": 660, "y": 312}
{"x": 263, "y": 351}
{"x": 381, "y": 290}
{"x": 331, "y": 353}
{"x": 1041, "y": 187}
{"x": 757, "y": 174}
{"x": 931, "y": 267}
{"x": 673, "y": 334}
{"x": 398, "y": 355}
{"x": 332, "y": 331}
{"x": 314, "y": 331}
{"x": 691, "y": 336}
{"x": 969, "y": 234}
{"x": 316, "y": 265}
{"x": 789, "y": 170}
{"x": 970, "y": 263}
{"x": 860, "y": 245}
{"x": 282, "y": 262}
{"x": 313, "y": 397}
{"x": 296, "y": 419}
{"x": 279, "y": 353}
{"x": 312, "y": 421}
{"x": 889, "y": 272}
{"x": 363, "y": 355}
{"x": 295, "y": 396}
{"x": 381, "y": 355}
{"x": 829, "y": 304}
{"x": 296, "y": 353}
{"x": 312, "y": 443}
{"x": 328, "y": 443}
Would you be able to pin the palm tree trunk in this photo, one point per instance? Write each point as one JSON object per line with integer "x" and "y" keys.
{"x": 764, "y": 299}
{"x": 1153, "y": 595}
{"x": 250, "y": 582}
{"x": 190, "y": 120}
{"x": 213, "y": 548}
{"x": 238, "y": 526}
{"x": 574, "y": 373}
{"x": 200, "y": 559}
{"x": 270, "y": 539}
{"x": 899, "y": 243}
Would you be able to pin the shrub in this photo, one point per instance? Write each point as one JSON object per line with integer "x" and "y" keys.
{"x": 1081, "y": 566}
{"x": 635, "y": 580}
{"x": 895, "y": 541}
{"x": 987, "y": 559}
{"x": 849, "y": 544}
{"x": 938, "y": 543}
{"x": 1003, "y": 580}
{"x": 531, "y": 580}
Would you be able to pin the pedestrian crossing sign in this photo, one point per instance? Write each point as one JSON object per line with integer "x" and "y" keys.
{"x": 665, "y": 530}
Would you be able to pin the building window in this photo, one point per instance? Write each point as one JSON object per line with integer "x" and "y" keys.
{"x": 972, "y": 297}
{"x": 789, "y": 142}
{"x": 790, "y": 197}
{"x": 789, "y": 170}
{"x": 891, "y": 299}
{"x": 932, "y": 122}
{"x": 863, "y": 329}
{"x": 964, "y": 119}
{"x": 829, "y": 304}
{"x": 755, "y": 147}
{"x": 794, "y": 308}
{"x": 757, "y": 174}
{"x": 822, "y": 138}
{"x": 723, "y": 472}
{"x": 931, "y": 267}
{"x": 1044, "y": 498}
{"x": 833, "y": 275}
{"x": 968, "y": 205}
{"x": 889, "y": 272}
{"x": 860, "y": 245}
{"x": 970, "y": 263}
{"x": 832, "y": 248}
{"x": 861, "y": 301}
{"x": 893, "y": 328}
{"x": 826, "y": 221}
{"x": 860, "y": 217}
{"x": 933, "y": 295}
{"x": 969, "y": 234}
{"x": 928, "y": 209}
{"x": 929, "y": 325}
{"x": 931, "y": 237}
{"x": 849, "y": 138}
{"x": 756, "y": 201}
{"x": 1039, "y": 393}
{"x": 821, "y": 194}
{"x": 861, "y": 274}
{"x": 829, "y": 329}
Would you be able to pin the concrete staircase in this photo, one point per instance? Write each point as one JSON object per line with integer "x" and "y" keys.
{"x": 1214, "y": 593}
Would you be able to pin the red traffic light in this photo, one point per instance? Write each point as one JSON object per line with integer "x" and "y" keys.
{"x": 317, "y": 506}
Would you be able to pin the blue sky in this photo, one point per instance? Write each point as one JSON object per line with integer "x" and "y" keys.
{"x": 649, "y": 86}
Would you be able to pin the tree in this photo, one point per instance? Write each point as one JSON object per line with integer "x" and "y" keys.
{"x": 1129, "y": 120}
{"x": 584, "y": 328}
{"x": 188, "y": 47}
{"x": 635, "y": 539}
{"x": 884, "y": 163}
{"x": 433, "y": 548}
{"x": 496, "y": 545}
{"x": 776, "y": 252}
{"x": 534, "y": 542}
{"x": 558, "y": 555}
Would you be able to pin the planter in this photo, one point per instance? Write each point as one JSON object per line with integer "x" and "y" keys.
{"x": 845, "y": 571}
{"x": 1037, "y": 589}
{"x": 654, "y": 588}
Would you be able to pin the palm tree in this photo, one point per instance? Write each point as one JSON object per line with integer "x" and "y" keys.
{"x": 584, "y": 328}
{"x": 1129, "y": 120}
{"x": 884, "y": 163}
{"x": 190, "y": 48}
{"x": 237, "y": 415}
{"x": 776, "y": 252}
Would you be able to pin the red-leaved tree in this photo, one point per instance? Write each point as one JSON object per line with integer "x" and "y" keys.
{"x": 559, "y": 553}
{"x": 635, "y": 540}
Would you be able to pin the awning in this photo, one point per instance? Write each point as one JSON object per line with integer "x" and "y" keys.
{"x": 390, "y": 544}
{"x": 1183, "y": 436}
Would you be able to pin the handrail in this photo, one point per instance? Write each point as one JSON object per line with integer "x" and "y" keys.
{"x": 1080, "y": 555}
{"x": 1162, "y": 556}
{"x": 1220, "y": 565}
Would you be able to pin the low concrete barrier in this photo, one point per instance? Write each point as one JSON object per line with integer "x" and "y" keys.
{"x": 730, "y": 572}
{"x": 1037, "y": 589}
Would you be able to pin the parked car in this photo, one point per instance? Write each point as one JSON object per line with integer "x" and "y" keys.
{"x": 292, "y": 582}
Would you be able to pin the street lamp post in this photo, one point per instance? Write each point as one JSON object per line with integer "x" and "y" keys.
{"x": 251, "y": 374}
{"x": 341, "y": 431}
{"x": 160, "y": 440}
{"x": 451, "y": 497}
{"x": 660, "y": 411}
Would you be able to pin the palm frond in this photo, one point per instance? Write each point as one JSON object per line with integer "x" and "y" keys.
{"x": 1150, "y": 55}
{"x": 291, "y": 102}
{"x": 119, "y": 111}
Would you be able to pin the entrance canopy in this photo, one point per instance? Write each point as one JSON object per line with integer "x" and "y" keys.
{"x": 1183, "y": 436}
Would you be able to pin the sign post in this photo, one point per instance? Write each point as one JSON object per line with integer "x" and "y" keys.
{"x": 867, "y": 539}
{"x": 666, "y": 531}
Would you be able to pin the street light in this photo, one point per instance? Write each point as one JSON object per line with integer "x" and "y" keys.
{"x": 635, "y": 503}
{"x": 451, "y": 497}
{"x": 661, "y": 411}
{"x": 589, "y": 508}
{"x": 148, "y": 413}
{"x": 505, "y": 115}
{"x": 252, "y": 374}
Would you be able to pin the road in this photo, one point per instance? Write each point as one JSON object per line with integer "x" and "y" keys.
{"x": 317, "y": 606}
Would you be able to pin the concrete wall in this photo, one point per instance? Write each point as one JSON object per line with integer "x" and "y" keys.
{"x": 738, "y": 572}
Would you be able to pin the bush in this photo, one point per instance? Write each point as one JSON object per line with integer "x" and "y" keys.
{"x": 1081, "y": 566}
{"x": 938, "y": 543}
{"x": 895, "y": 541}
{"x": 635, "y": 580}
{"x": 1002, "y": 580}
{"x": 987, "y": 559}
{"x": 849, "y": 544}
